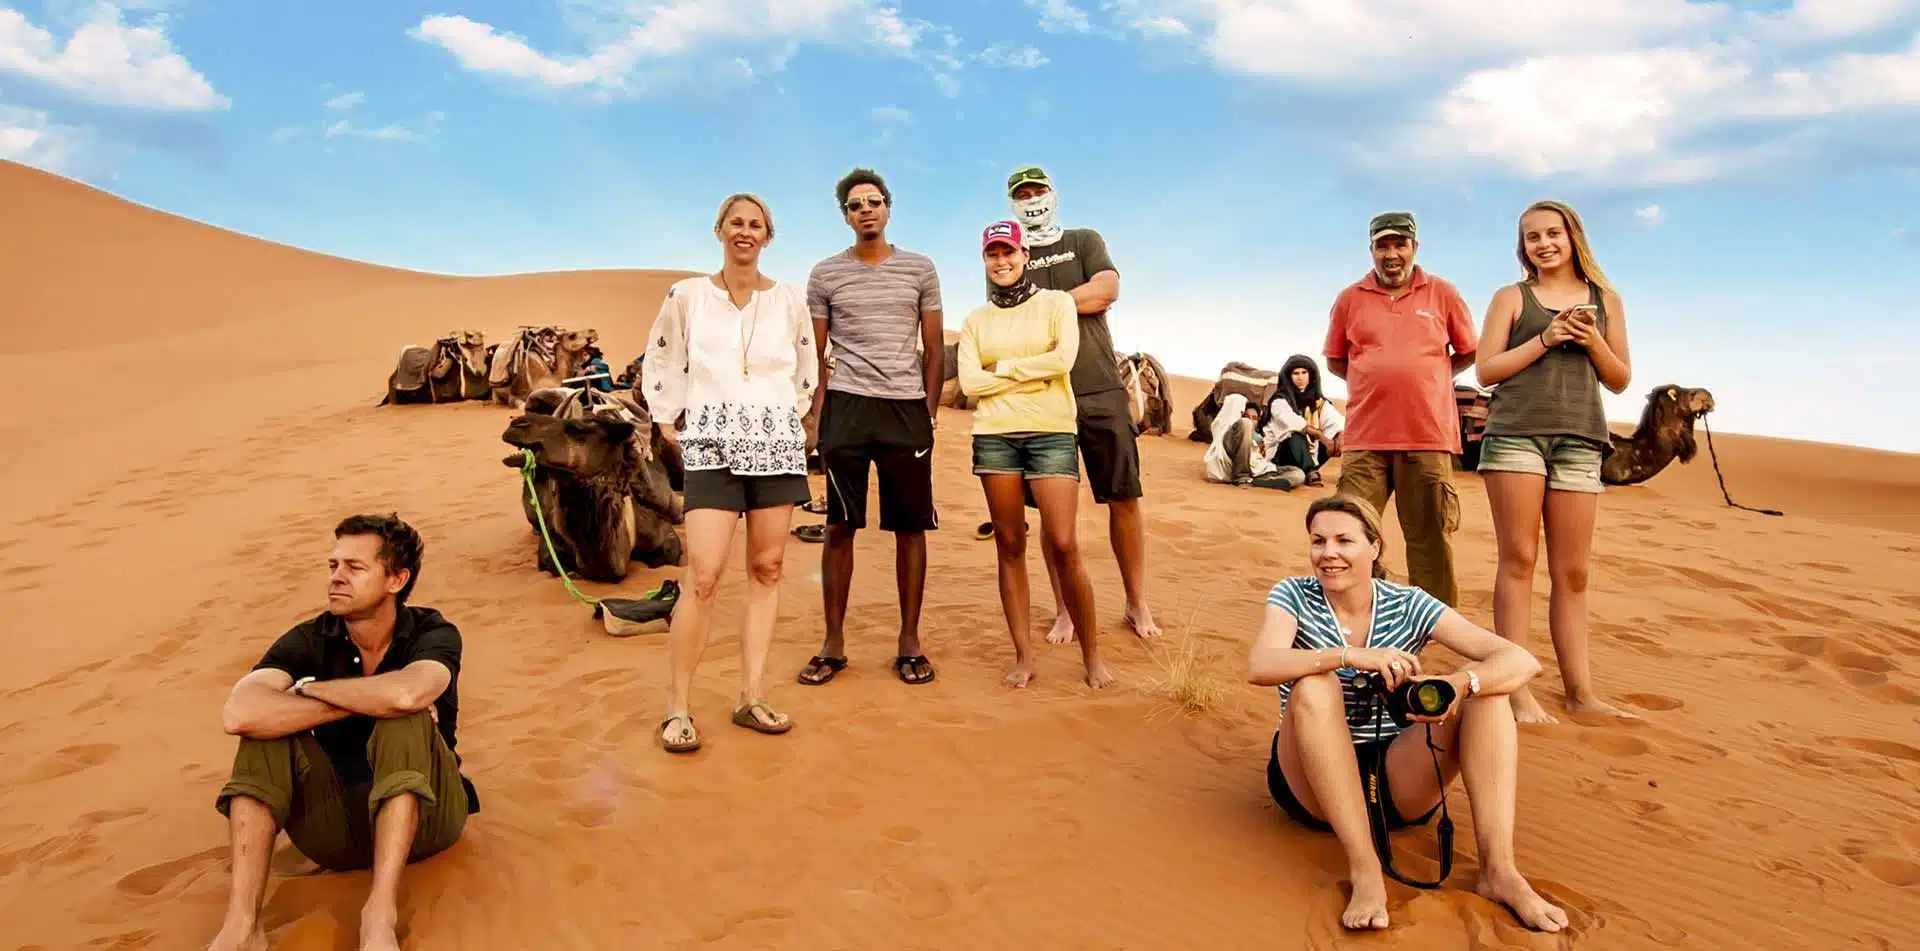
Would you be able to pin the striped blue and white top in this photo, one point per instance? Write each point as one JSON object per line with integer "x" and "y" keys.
{"x": 1403, "y": 619}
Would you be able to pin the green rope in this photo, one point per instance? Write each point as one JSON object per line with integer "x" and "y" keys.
{"x": 540, "y": 518}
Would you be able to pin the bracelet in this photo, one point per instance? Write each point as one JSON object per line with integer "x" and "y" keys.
{"x": 1343, "y": 655}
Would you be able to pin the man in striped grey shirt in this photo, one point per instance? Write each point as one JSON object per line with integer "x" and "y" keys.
{"x": 878, "y": 306}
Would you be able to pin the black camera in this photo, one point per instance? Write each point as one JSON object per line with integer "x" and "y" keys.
{"x": 1424, "y": 698}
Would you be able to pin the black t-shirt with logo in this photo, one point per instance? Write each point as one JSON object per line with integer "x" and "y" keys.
{"x": 1062, "y": 266}
{"x": 320, "y": 648}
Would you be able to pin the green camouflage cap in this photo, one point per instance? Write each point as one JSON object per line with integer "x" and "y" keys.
{"x": 1028, "y": 174}
{"x": 1391, "y": 222}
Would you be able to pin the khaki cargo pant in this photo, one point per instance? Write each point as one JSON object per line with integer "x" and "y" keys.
{"x": 1421, "y": 485}
{"x": 333, "y": 825}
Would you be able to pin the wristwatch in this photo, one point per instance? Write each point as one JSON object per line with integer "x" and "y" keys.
{"x": 1473, "y": 682}
{"x": 299, "y": 686}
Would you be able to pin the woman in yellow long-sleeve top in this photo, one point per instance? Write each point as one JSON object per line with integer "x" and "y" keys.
{"x": 1016, "y": 353}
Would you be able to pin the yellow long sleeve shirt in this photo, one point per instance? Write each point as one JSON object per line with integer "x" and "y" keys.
{"x": 1017, "y": 362}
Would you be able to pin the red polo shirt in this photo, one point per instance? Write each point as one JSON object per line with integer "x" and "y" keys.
{"x": 1399, "y": 355}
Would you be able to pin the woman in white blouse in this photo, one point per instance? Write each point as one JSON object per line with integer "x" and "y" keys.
{"x": 731, "y": 370}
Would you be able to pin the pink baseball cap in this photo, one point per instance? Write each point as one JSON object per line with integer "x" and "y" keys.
{"x": 1002, "y": 232}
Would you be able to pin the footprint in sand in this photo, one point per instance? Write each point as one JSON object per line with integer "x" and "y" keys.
{"x": 901, "y": 834}
{"x": 1614, "y": 744}
{"x": 154, "y": 879}
{"x": 1659, "y": 703}
{"x": 921, "y": 896}
{"x": 1886, "y": 748}
{"x": 775, "y": 916}
{"x": 72, "y": 759}
{"x": 1895, "y": 871}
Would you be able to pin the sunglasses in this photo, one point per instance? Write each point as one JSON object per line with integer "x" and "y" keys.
{"x": 857, "y": 204}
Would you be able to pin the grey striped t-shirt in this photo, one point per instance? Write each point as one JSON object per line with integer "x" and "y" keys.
{"x": 1403, "y": 619}
{"x": 873, "y": 321}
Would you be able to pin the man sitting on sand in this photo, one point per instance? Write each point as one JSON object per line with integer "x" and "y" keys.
{"x": 1235, "y": 456}
{"x": 347, "y": 736}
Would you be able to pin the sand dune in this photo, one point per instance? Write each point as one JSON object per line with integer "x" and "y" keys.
{"x": 199, "y": 408}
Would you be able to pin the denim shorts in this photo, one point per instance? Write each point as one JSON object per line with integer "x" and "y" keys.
{"x": 1035, "y": 456}
{"x": 1569, "y": 463}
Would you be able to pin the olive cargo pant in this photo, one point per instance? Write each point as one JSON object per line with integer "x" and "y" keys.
{"x": 1421, "y": 485}
{"x": 333, "y": 825}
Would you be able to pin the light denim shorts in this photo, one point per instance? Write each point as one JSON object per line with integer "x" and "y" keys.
{"x": 1570, "y": 464}
{"x": 1035, "y": 456}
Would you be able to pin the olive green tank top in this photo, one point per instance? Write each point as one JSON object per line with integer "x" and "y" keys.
{"x": 1556, "y": 395}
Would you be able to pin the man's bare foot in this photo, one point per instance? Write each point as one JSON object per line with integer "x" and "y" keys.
{"x": 1062, "y": 631}
{"x": 378, "y": 930}
{"x": 1528, "y": 710}
{"x": 1367, "y": 909}
{"x": 1595, "y": 705}
{"x": 1097, "y": 675}
{"x": 1140, "y": 618}
{"x": 1511, "y": 890}
{"x": 1020, "y": 675}
{"x": 239, "y": 936}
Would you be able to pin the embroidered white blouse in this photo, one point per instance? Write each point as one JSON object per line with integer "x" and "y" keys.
{"x": 744, "y": 377}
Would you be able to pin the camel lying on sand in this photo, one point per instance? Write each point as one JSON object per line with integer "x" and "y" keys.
{"x": 1235, "y": 378}
{"x": 1665, "y": 433}
{"x": 584, "y": 478}
{"x": 454, "y": 368}
{"x": 535, "y": 359}
{"x": 661, "y": 473}
{"x": 1149, "y": 393}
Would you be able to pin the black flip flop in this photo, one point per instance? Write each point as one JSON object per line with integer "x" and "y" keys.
{"x": 903, "y": 668}
{"x": 833, "y": 665}
{"x": 811, "y": 533}
{"x": 815, "y": 507}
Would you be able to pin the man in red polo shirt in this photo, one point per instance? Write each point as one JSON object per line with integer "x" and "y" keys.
{"x": 1398, "y": 336}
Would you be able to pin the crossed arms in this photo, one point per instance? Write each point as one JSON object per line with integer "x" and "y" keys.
{"x": 261, "y": 707}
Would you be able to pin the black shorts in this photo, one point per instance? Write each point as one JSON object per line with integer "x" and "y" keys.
{"x": 893, "y": 436}
{"x": 1372, "y": 756}
{"x": 721, "y": 489}
{"x": 1108, "y": 444}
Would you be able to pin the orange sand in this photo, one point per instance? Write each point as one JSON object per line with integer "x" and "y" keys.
{"x": 194, "y": 409}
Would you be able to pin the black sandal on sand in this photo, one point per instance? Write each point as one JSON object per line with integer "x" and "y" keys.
{"x": 680, "y": 746}
{"x": 811, "y": 533}
{"x": 908, "y": 668}
{"x": 744, "y": 717}
{"x": 815, "y": 506}
{"x": 819, "y": 670}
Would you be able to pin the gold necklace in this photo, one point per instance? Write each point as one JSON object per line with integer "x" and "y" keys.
{"x": 748, "y": 326}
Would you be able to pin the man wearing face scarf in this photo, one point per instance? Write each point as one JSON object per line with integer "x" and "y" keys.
{"x": 1075, "y": 260}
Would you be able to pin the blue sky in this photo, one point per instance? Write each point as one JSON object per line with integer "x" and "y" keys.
{"x": 1750, "y": 172}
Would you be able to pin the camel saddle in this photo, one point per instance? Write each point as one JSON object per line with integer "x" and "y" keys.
{"x": 415, "y": 369}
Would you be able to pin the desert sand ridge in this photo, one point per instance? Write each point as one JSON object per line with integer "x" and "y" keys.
{"x": 198, "y": 409}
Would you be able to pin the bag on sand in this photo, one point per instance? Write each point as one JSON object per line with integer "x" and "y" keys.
{"x": 626, "y": 617}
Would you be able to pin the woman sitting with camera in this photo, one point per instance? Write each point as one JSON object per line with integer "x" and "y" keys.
{"x": 1340, "y": 645}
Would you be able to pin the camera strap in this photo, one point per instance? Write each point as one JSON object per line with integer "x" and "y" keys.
{"x": 1377, "y": 809}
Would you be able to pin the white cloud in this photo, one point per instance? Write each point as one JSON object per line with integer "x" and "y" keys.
{"x": 1641, "y": 92}
{"x": 385, "y": 133}
{"x": 1061, "y": 16}
{"x": 31, "y": 138}
{"x": 1653, "y": 215}
{"x": 107, "y": 61}
{"x": 1007, "y": 57}
{"x": 892, "y": 114}
{"x": 623, "y": 41}
{"x": 346, "y": 100}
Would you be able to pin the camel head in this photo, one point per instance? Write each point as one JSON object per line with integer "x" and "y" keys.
{"x": 1669, "y": 417}
{"x": 474, "y": 351}
{"x": 574, "y": 341}
{"x": 595, "y": 449}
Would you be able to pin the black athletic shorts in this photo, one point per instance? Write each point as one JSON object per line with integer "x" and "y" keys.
{"x": 721, "y": 489}
{"x": 1108, "y": 447}
{"x": 1372, "y": 756}
{"x": 893, "y": 436}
